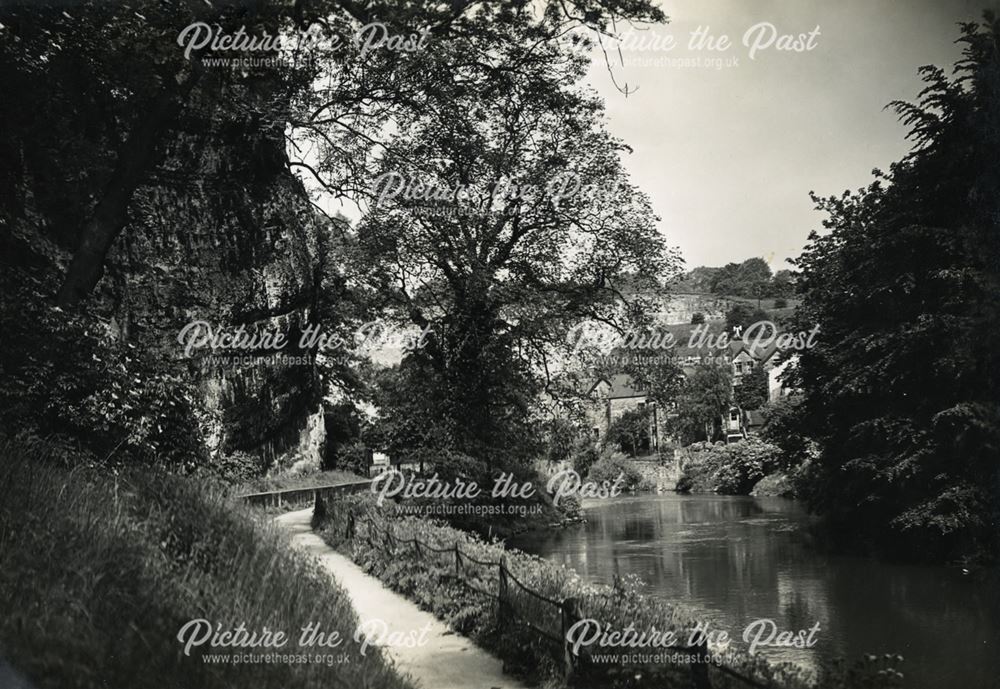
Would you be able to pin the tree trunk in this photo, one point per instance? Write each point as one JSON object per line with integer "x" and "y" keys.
{"x": 111, "y": 212}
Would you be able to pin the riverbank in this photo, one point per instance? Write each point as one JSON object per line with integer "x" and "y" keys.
{"x": 737, "y": 559}
{"x": 513, "y": 604}
{"x": 99, "y": 573}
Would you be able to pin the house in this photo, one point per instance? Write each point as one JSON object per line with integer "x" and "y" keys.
{"x": 612, "y": 395}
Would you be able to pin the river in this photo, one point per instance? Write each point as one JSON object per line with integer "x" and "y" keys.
{"x": 734, "y": 560}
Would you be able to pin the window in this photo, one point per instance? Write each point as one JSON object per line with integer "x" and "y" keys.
{"x": 734, "y": 415}
{"x": 739, "y": 367}
{"x": 597, "y": 433}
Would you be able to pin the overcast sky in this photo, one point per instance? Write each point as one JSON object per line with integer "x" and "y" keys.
{"x": 729, "y": 155}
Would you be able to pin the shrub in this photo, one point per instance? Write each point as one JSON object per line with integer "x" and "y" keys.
{"x": 69, "y": 379}
{"x": 584, "y": 458}
{"x": 610, "y": 466}
{"x": 731, "y": 469}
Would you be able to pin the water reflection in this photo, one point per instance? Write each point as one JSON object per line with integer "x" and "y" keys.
{"x": 737, "y": 559}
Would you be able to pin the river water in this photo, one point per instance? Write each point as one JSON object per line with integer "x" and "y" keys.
{"x": 733, "y": 560}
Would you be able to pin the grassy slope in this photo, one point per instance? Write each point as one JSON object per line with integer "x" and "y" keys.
{"x": 98, "y": 574}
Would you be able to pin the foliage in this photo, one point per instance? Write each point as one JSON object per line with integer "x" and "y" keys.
{"x": 730, "y": 469}
{"x": 704, "y": 397}
{"x": 785, "y": 427}
{"x": 429, "y": 578}
{"x": 342, "y": 423}
{"x": 742, "y": 316}
{"x": 487, "y": 258}
{"x": 697, "y": 318}
{"x": 902, "y": 391}
{"x": 630, "y": 432}
{"x": 659, "y": 375}
{"x": 782, "y": 285}
{"x": 561, "y": 438}
{"x": 751, "y": 393}
{"x": 752, "y": 278}
{"x": 69, "y": 378}
{"x": 584, "y": 458}
{"x": 97, "y": 577}
{"x": 613, "y": 465}
{"x": 774, "y": 485}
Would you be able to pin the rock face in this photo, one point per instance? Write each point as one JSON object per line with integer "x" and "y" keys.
{"x": 218, "y": 231}
{"x": 680, "y": 307}
{"x": 223, "y": 233}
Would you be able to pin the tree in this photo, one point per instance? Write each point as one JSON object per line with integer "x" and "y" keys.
{"x": 901, "y": 391}
{"x": 751, "y": 393}
{"x": 782, "y": 284}
{"x": 786, "y": 428}
{"x": 697, "y": 318}
{"x": 705, "y": 396}
{"x": 119, "y": 91}
{"x": 630, "y": 432}
{"x": 742, "y": 316}
{"x": 751, "y": 278}
{"x": 482, "y": 253}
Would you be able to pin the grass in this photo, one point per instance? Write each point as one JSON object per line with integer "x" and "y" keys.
{"x": 98, "y": 574}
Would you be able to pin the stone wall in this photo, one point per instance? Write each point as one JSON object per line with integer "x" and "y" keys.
{"x": 663, "y": 476}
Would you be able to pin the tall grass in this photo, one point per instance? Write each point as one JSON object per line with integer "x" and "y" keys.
{"x": 98, "y": 574}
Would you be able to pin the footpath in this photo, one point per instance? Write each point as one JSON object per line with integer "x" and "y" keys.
{"x": 446, "y": 661}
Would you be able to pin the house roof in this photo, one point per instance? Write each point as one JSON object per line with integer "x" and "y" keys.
{"x": 620, "y": 386}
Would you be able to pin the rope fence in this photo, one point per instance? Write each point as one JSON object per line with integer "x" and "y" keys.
{"x": 518, "y": 604}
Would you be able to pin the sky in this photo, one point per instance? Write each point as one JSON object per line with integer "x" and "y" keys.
{"x": 729, "y": 149}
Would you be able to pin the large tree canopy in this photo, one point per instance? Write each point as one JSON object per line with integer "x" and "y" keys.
{"x": 902, "y": 390}
{"x": 475, "y": 228}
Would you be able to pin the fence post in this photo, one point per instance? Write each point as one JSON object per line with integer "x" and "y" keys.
{"x": 501, "y": 594}
{"x": 699, "y": 668}
{"x": 416, "y": 546}
{"x": 350, "y": 526}
{"x": 458, "y": 562}
{"x": 319, "y": 511}
{"x": 568, "y": 617}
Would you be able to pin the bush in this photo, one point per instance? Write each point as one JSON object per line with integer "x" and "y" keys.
{"x": 354, "y": 457}
{"x": 584, "y": 458}
{"x": 610, "y": 466}
{"x": 731, "y": 469}
{"x": 67, "y": 378}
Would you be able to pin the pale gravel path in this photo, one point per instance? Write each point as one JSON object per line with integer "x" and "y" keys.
{"x": 447, "y": 661}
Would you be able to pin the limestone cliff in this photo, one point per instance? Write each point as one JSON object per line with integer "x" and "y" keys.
{"x": 218, "y": 230}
